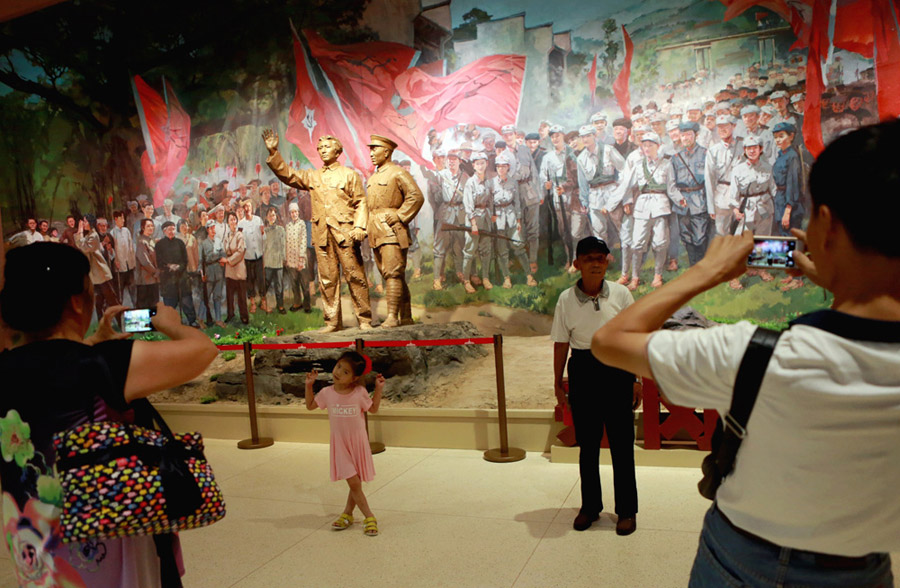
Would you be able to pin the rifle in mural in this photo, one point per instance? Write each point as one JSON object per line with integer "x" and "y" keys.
{"x": 449, "y": 227}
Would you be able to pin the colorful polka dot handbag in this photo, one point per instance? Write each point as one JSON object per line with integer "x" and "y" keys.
{"x": 120, "y": 479}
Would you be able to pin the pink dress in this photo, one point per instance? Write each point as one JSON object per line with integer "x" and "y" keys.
{"x": 350, "y": 451}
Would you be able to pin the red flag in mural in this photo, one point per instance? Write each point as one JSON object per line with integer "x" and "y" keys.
{"x": 167, "y": 129}
{"x": 486, "y": 92}
{"x": 815, "y": 83}
{"x": 362, "y": 76}
{"x": 620, "y": 86}
{"x": 887, "y": 57}
{"x": 592, "y": 80}
{"x": 315, "y": 113}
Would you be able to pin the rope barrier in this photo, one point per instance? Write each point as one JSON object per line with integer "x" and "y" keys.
{"x": 503, "y": 454}
{"x": 352, "y": 344}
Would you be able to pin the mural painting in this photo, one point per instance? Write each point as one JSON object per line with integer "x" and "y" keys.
{"x": 654, "y": 126}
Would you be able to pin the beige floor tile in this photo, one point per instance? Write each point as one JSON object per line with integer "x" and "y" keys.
{"x": 252, "y": 533}
{"x": 413, "y": 550}
{"x": 467, "y": 485}
{"x": 668, "y": 499}
{"x": 227, "y": 460}
{"x": 303, "y": 475}
{"x": 598, "y": 557}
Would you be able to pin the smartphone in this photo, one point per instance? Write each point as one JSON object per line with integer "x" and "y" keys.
{"x": 138, "y": 320}
{"x": 772, "y": 252}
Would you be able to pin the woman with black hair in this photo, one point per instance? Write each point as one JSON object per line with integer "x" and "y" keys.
{"x": 146, "y": 275}
{"x": 47, "y": 297}
{"x": 235, "y": 270}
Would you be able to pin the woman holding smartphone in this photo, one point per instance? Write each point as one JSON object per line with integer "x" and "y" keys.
{"x": 47, "y": 297}
{"x": 235, "y": 270}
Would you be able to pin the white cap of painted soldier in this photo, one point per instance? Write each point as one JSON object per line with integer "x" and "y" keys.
{"x": 724, "y": 119}
{"x": 586, "y": 130}
{"x": 651, "y": 136}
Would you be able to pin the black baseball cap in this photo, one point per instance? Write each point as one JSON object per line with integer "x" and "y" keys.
{"x": 591, "y": 245}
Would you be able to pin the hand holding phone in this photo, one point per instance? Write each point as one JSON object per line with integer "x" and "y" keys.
{"x": 772, "y": 252}
{"x": 137, "y": 320}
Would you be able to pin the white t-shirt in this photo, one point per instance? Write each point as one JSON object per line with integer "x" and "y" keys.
{"x": 578, "y": 316}
{"x": 819, "y": 469}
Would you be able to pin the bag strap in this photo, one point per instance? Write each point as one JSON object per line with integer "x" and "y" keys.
{"x": 746, "y": 388}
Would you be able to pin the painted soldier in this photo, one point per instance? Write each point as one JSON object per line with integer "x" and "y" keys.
{"x": 693, "y": 220}
{"x": 524, "y": 171}
{"x": 478, "y": 204}
{"x": 508, "y": 211}
{"x": 655, "y": 182}
{"x": 339, "y": 218}
{"x": 601, "y": 165}
{"x": 721, "y": 158}
{"x": 449, "y": 243}
{"x": 559, "y": 172}
{"x": 751, "y": 198}
{"x": 393, "y": 200}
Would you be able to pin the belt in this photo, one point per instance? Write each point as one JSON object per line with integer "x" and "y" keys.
{"x": 648, "y": 191}
{"x": 477, "y": 207}
{"x": 823, "y": 560}
{"x": 504, "y": 205}
{"x": 724, "y": 183}
{"x": 524, "y": 181}
{"x": 754, "y": 194}
{"x": 781, "y": 187}
{"x": 601, "y": 184}
{"x": 691, "y": 189}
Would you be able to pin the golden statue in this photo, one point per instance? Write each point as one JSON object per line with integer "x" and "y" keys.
{"x": 339, "y": 217}
{"x": 393, "y": 200}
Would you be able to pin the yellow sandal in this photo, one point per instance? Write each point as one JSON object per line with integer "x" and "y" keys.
{"x": 370, "y": 526}
{"x": 342, "y": 522}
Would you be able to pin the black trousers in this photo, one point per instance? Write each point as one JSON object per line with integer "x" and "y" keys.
{"x": 600, "y": 397}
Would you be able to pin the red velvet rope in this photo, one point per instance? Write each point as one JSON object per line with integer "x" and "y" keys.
{"x": 352, "y": 344}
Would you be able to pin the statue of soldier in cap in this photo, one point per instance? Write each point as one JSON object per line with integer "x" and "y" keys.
{"x": 393, "y": 201}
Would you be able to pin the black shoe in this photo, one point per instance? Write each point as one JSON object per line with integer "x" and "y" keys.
{"x": 245, "y": 321}
{"x": 307, "y": 309}
{"x": 295, "y": 308}
{"x": 584, "y": 521}
{"x": 282, "y": 310}
{"x": 626, "y": 525}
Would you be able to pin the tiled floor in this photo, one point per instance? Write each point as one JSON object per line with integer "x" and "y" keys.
{"x": 447, "y": 518}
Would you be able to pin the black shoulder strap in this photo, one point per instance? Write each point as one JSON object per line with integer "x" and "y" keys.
{"x": 746, "y": 389}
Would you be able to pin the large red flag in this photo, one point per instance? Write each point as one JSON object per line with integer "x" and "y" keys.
{"x": 887, "y": 59}
{"x": 592, "y": 80}
{"x": 815, "y": 84}
{"x": 486, "y": 92}
{"x": 314, "y": 113}
{"x": 620, "y": 86}
{"x": 168, "y": 128}
{"x": 362, "y": 76}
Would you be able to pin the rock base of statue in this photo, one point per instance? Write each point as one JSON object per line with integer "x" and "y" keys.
{"x": 279, "y": 376}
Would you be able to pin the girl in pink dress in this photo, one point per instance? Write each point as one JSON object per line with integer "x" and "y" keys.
{"x": 351, "y": 457}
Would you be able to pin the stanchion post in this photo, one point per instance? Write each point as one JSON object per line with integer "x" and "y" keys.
{"x": 376, "y": 446}
{"x": 505, "y": 453}
{"x": 255, "y": 441}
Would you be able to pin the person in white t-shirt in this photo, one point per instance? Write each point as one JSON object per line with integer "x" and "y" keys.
{"x": 813, "y": 498}
{"x": 599, "y": 396}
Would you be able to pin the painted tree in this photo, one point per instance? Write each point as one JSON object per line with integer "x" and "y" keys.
{"x": 77, "y": 59}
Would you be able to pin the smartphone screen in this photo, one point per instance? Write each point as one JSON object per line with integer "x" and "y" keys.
{"x": 772, "y": 252}
{"x": 138, "y": 320}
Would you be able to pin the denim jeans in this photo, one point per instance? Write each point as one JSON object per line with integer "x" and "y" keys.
{"x": 728, "y": 558}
